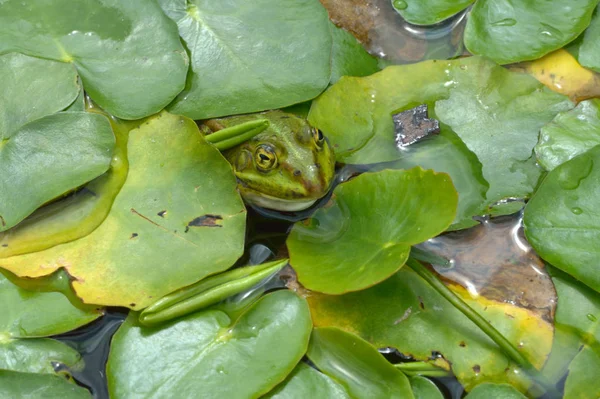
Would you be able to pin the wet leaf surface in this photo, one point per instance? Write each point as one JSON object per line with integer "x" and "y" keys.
{"x": 496, "y": 391}
{"x": 496, "y": 113}
{"x": 508, "y": 31}
{"x": 364, "y": 235}
{"x": 424, "y": 388}
{"x": 569, "y": 134}
{"x": 306, "y": 382}
{"x": 429, "y": 12}
{"x": 209, "y": 355}
{"x": 121, "y": 50}
{"x": 356, "y": 365}
{"x": 35, "y": 386}
{"x": 562, "y": 220}
{"x": 137, "y": 255}
{"x": 582, "y": 382}
{"x": 403, "y": 312}
{"x": 286, "y": 59}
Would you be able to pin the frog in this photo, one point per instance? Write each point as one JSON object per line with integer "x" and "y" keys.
{"x": 288, "y": 166}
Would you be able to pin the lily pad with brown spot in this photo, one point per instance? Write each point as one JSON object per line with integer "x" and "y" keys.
{"x": 136, "y": 256}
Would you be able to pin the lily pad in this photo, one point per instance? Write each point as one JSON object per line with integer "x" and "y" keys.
{"x": 306, "y": 382}
{"x": 498, "y": 115}
{"x": 177, "y": 219}
{"x": 121, "y": 50}
{"x": 496, "y": 391}
{"x": 33, "y": 88}
{"x": 429, "y": 12}
{"x": 405, "y": 313}
{"x": 286, "y": 59}
{"x": 348, "y": 57}
{"x": 365, "y": 233}
{"x": 589, "y": 47}
{"x": 63, "y": 150}
{"x": 569, "y": 134}
{"x": 28, "y": 385}
{"x": 424, "y": 388}
{"x": 562, "y": 220}
{"x": 509, "y": 31}
{"x": 210, "y": 355}
{"x": 357, "y": 365}
{"x": 28, "y": 315}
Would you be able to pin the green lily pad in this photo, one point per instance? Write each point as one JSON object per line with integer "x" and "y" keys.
{"x": 365, "y": 233}
{"x": 582, "y": 382}
{"x": 63, "y": 150}
{"x": 498, "y": 115}
{"x": 306, "y": 382}
{"x": 569, "y": 134}
{"x": 588, "y": 53}
{"x": 121, "y": 50}
{"x": 447, "y": 153}
{"x": 357, "y": 365}
{"x": 76, "y": 215}
{"x": 285, "y": 59}
{"x": 429, "y": 12}
{"x": 35, "y": 386}
{"x": 562, "y": 220}
{"x": 424, "y": 388}
{"x": 210, "y": 355}
{"x": 33, "y": 88}
{"x": 348, "y": 57}
{"x": 28, "y": 315}
{"x": 508, "y": 31}
{"x": 425, "y": 326}
{"x": 496, "y": 391}
{"x": 177, "y": 219}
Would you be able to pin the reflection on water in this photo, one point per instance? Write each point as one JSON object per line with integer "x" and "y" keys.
{"x": 385, "y": 34}
{"x": 493, "y": 260}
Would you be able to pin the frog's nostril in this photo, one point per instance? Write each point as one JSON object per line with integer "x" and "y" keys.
{"x": 297, "y": 172}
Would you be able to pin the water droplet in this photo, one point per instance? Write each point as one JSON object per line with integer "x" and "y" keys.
{"x": 577, "y": 210}
{"x": 549, "y": 31}
{"x": 505, "y": 22}
{"x": 591, "y": 317}
{"x": 400, "y": 4}
{"x": 571, "y": 176}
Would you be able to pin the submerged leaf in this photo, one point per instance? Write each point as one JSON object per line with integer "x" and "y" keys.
{"x": 121, "y": 50}
{"x": 562, "y": 220}
{"x": 569, "y": 134}
{"x": 364, "y": 235}
{"x": 356, "y": 365}
{"x": 284, "y": 61}
{"x": 209, "y": 355}
{"x": 511, "y": 31}
{"x": 589, "y": 47}
{"x": 142, "y": 251}
{"x": 496, "y": 391}
{"x": 583, "y": 382}
{"x": 348, "y": 57}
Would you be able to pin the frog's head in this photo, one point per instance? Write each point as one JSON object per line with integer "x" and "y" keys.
{"x": 287, "y": 167}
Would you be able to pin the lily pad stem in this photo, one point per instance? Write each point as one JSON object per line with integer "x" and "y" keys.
{"x": 422, "y": 368}
{"x": 484, "y": 325}
{"x": 230, "y": 137}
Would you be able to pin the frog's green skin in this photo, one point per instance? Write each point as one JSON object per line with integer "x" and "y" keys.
{"x": 286, "y": 167}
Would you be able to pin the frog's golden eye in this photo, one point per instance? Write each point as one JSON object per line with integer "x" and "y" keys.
{"x": 265, "y": 158}
{"x": 318, "y": 136}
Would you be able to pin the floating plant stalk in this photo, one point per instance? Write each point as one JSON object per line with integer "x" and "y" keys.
{"x": 230, "y": 137}
{"x": 484, "y": 325}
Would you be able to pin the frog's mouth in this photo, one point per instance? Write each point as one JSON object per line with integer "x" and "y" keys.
{"x": 278, "y": 204}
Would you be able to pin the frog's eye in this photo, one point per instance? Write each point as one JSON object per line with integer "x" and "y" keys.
{"x": 265, "y": 158}
{"x": 318, "y": 136}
